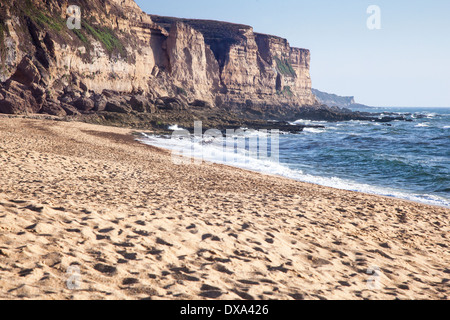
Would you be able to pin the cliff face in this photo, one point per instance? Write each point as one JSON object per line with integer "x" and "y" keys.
{"x": 333, "y": 99}
{"x": 46, "y": 67}
{"x": 192, "y": 64}
{"x": 255, "y": 70}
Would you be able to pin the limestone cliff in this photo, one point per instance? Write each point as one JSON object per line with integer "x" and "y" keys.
{"x": 254, "y": 69}
{"x": 123, "y": 59}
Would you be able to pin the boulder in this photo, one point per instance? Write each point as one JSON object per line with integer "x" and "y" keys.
{"x": 84, "y": 104}
{"x": 10, "y": 106}
{"x": 38, "y": 93}
{"x": 99, "y": 103}
{"x": 18, "y": 99}
{"x": 109, "y": 94}
{"x": 70, "y": 110}
{"x": 65, "y": 99}
{"x": 172, "y": 104}
{"x": 73, "y": 91}
{"x": 141, "y": 103}
{"x": 26, "y": 72}
{"x": 53, "y": 108}
{"x": 138, "y": 103}
{"x": 117, "y": 105}
{"x": 201, "y": 104}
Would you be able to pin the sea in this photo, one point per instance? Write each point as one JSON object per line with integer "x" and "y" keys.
{"x": 405, "y": 160}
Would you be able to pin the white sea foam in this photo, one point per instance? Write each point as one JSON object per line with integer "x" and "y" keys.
{"x": 175, "y": 127}
{"x": 422, "y": 125}
{"x": 314, "y": 130}
{"x": 307, "y": 122}
{"x": 213, "y": 151}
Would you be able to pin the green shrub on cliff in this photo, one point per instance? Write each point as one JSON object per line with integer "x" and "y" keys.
{"x": 284, "y": 67}
{"x": 81, "y": 36}
{"x": 287, "y": 91}
{"x": 41, "y": 18}
{"x": 44, "y": 20}
{"x": 106, "y": 37}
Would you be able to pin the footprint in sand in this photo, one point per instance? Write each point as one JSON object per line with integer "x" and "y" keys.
{"x": 210, "y": 292}
{"x": 243, "y": 295}
{"x": 105, "y": 269}
{"x": 130, "y": 281}
{"x": 128, "y": 255}
{"x": 210, "y": 236}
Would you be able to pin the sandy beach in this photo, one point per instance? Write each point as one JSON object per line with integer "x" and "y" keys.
{"x": 87, "y": 212}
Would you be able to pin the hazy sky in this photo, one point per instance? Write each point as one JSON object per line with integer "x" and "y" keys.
{"x": 406, "y": 63}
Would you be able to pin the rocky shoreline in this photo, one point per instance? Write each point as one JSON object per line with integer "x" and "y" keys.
{"x": 158, "y": 114}
{"x": 22, "y": 95}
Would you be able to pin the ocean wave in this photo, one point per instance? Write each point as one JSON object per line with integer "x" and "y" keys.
{"x": 245, "y": 159}
{"x": 306, "y": 122}
{"x": 429, "y": 115}
{"x": 213, "y": 150}
{"x": 314, "y": 130}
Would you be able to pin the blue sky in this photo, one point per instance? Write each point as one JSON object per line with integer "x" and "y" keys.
{"x": 406, "y": 63}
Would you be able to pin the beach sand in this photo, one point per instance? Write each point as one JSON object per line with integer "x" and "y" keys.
{"x": 83, "y": 198}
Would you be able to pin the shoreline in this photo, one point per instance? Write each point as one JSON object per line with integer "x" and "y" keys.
{"x": 424, "y": 201}
{"x": 137, "y": 226}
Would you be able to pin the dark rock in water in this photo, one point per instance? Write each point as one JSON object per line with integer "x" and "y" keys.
{"x": 281, "y": 126}
{"x": 335, "y": 114}
{"x": 390, "y": 119}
